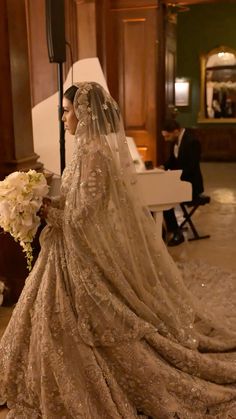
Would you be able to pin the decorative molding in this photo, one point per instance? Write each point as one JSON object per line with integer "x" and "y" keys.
{"x": 134, "y": 38}
{"x": 78, "y": 2}
{"x": 135, "y": 5}
{"x": 183, "y": 3}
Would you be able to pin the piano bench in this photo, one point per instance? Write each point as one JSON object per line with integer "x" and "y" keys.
{"x": 194, "y": 204}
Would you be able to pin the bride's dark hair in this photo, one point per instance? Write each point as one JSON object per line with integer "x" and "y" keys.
{"x": 108, "y": 115}
{"x": 70, "y": 93}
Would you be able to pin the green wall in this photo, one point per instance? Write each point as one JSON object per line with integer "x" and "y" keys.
{"x": 199, "y": 30}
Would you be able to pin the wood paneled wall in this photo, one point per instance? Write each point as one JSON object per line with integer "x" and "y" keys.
{"x": 86, "y": 28}
{"x": 80, "y": 28}
{"x": 43, "y": 74}
{"x": 128, "y": 44}
{"x": 217, "y": 143}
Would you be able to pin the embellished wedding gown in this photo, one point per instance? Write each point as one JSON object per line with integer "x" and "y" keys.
{"x": 107, "y": 326}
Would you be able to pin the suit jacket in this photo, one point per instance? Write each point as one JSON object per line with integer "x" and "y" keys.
{"x": 188, "y": 161}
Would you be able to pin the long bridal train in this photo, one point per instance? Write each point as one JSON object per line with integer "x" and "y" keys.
{"x": 107, "y": 325}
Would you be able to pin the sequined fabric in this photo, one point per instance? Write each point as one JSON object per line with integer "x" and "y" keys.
{"x": 107, "y": 325}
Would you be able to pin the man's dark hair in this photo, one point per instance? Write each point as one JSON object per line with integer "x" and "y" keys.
{"x": 170, "y": 125}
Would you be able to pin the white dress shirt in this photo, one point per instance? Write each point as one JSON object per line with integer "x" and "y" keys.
{"x": 176, "y": 147}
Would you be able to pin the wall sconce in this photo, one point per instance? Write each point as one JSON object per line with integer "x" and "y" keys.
{"x": 182, "y": 92}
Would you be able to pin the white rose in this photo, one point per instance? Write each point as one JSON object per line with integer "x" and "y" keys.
{"x": 5, "y": 209}
{"x": 21, "y": 195}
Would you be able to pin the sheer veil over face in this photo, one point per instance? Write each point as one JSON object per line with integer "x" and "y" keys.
{"x": 103, "y": 204}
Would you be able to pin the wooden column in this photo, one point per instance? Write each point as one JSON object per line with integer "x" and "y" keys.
{"x": 16, "y": 137}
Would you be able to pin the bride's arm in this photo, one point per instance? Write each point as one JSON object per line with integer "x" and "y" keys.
{"x": 86, "y": 198}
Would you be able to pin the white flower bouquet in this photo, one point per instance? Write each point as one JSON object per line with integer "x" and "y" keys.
{"x": 21, "y": 196}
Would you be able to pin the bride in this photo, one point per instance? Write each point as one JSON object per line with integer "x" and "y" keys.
{"x": 107, "y": 326}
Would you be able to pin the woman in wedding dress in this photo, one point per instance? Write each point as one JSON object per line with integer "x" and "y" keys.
{"x": 107, "y": 326}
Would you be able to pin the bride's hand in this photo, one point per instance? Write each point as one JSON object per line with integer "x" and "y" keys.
{"x": 43, "y": 211}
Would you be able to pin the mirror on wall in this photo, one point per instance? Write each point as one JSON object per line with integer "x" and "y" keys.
{"x": 218, "y": 86}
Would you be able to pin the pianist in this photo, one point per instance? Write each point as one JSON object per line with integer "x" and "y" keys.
{"x": 185, "y": 155}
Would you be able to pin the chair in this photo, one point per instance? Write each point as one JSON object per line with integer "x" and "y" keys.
{"x": 194, "y": 204}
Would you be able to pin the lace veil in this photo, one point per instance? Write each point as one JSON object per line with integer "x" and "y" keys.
{"x": 129, "y": 285}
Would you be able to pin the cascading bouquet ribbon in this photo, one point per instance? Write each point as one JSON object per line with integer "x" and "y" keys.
{"x": 21, "y": 196}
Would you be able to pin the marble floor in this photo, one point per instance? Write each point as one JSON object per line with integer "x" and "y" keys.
{"x": 217, "y": 219}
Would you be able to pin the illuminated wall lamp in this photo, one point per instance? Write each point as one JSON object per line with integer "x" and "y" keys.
{"x": 182, "y": 92}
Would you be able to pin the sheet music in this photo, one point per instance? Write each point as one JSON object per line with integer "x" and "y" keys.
{"x": 137, "y": 159}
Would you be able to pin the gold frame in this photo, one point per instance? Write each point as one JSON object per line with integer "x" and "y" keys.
{"x": 203, "y": 59}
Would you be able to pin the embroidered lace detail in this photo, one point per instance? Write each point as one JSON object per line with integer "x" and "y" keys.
{"x": 107, "y": 327}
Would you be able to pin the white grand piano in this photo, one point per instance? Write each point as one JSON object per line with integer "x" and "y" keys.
{"x": 160, "y": 189}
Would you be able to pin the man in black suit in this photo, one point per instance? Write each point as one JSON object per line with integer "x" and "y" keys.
{"x": 185, "y": 155}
